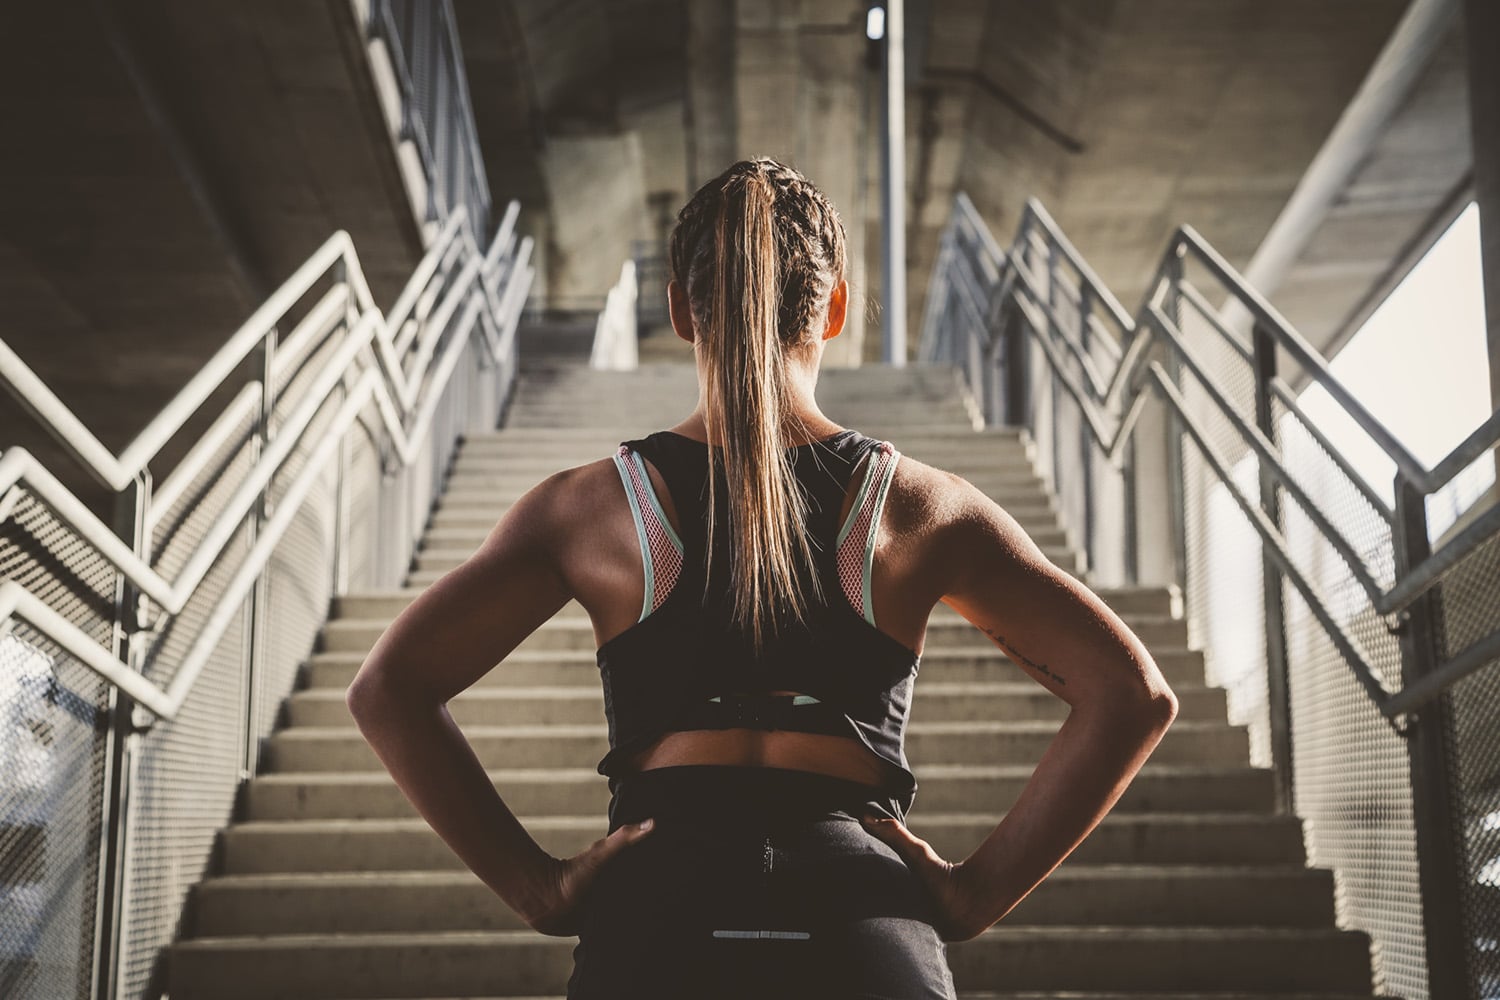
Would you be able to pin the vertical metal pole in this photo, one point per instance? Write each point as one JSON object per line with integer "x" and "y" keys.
{"x": 1085, "y": 436}
{"x": 1176, "y": 468}
{"x": 893, "y": 191}
{"x": 1278, "y": 680}
{"x": 1053, "y": 383}
{"x": 1429, "y": 746}
{"x": 1132, "y": 511}
{"x": 259, "y": 597}
{"x": 122, "y": 751}
{"x": 1481, "y": 28}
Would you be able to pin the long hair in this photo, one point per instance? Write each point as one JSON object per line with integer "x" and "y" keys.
{"x": 758, "y": 251}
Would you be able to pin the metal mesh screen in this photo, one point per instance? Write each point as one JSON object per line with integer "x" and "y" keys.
{"x": 187, "y": 768}
{"x": 1351, "y": 771}
{"x": 1470, "y": 601}
{"x": 1223, "y": 589}
{"x": 53, "y": 761}
{"x": 353, "y": 526}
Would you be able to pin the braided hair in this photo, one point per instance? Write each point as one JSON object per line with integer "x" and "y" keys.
{"x": 759, "y": 251}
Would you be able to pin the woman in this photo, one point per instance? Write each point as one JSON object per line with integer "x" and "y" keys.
{"x": 758, "y": 843}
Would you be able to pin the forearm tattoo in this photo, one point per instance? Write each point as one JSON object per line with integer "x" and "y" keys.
{"x": 1042, "y": 668}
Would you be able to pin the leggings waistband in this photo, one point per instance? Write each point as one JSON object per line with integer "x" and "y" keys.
{"x": 709, "y": 791}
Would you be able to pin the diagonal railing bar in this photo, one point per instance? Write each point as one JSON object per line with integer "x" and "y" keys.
{"x": 1110, "y": 407}
{"x": 406, "y": 397}
{"x": 1043, "y": 345}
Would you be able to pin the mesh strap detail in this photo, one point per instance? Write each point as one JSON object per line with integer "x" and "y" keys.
{"x": 856, "y": 544}
{"x": 661, "y": 549}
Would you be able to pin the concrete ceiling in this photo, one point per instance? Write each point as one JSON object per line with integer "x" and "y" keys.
{"x": 1126, "y": 117}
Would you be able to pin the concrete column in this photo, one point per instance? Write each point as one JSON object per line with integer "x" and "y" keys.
{"x": 1482, "y": 28}
{"x": 798, "y": 68}
{"x": 594, "y": 213}
{"x": 710, "y": 113}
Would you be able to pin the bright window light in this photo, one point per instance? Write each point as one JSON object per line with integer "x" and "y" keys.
{"x": 1420, "y": 365}
{"x": 875, "y": 24}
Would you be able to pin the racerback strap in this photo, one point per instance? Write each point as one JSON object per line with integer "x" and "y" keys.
{"x": 662, "y": 551}
{"x": 855, "y": 547}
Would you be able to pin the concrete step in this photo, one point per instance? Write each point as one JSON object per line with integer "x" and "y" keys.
{"x": 913, "y": 377}
{"x": 1138, "y": 607}
{"x": 999, "y": 438}
{"x": 636, "y": 421}
{"x": 353, "y": 635}
{"x": 324, "y": 749}
{"x": 425, "y": 578}
{"x": 359, "y": 845}
{"x": 440, "y": 561}
{"x": 468, "y": 539}
{"x": 473, "y": 963}
{"x": 1122, "y": 895}
{"x": 998, "y": 702}
{"x": 582, "y": 407}
{"x": 1035, "y": 514}
{"x": 1183, "y": 668}
{"x": 501, "y": 478}
{"x": 986, "y": 701}
{"x": 1091, "y": 995}
{"x": 577, "y": 791}
{"x": 472, "y": 493}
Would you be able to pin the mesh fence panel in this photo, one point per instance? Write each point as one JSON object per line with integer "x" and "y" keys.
{"x": 1470, "y": 601}
{"x": 1223, "y": 591}
{"x": 187, "y": 768}
{"x": 1351, "y": 770}
{"x": 53, "y": 761}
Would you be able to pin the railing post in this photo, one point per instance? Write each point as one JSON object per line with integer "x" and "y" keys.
{"x": 1132, "y": 535}
{"x": 1013, "y": 353}
{"x": 259, "y": 599}
{"x": 1429, "y": 746}
{"x": 1053, "y": 382}
{"x": 121, "y": 751}
{"x": 1278, "y": 684}
{"x": 1085, "y": 440}
{"x": 1176, "y": 470}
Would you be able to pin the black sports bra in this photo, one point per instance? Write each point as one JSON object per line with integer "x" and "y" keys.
{"x": 682, "y": 666}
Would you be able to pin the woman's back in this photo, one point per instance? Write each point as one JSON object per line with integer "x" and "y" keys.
{"x": 760, "y": 860}
{"x": 683, "y": 676}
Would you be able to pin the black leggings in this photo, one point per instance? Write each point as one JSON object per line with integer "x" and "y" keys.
{"x": 756, "y": 882}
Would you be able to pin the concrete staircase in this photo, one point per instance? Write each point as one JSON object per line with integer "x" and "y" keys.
{"x": 330, "y": 886}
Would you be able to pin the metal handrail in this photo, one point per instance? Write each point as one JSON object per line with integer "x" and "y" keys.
{"x": 432, "y": 33}
{"x": 1110, "y": 409}
{"x": 406, "y": 396}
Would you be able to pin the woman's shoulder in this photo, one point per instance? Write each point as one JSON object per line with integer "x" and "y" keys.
{"x": 936, "y": 510}
{"x": 562, "y": 502}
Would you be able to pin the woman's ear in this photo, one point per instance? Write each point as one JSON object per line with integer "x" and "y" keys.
{"x": 838, "y": 310}
{"x": 680, "y": 311}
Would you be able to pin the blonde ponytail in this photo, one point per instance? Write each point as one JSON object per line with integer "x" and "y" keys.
{"x": 753, "y": 293}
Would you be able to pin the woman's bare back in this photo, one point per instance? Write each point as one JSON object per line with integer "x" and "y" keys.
{"x": 609, "y": 581}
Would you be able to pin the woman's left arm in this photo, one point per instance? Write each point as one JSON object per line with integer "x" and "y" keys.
{"x": 451, "y": 635}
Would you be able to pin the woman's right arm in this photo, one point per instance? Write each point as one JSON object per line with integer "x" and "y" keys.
{"x": 1064, "y": 636}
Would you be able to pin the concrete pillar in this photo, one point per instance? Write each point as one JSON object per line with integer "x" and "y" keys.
{"x": 594, "y": 214}
{"x": 1482, "y": 28}
{"x": 798, "y": 76}
{"x": 710, "y": 110}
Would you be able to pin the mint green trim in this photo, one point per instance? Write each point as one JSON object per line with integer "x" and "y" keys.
{"x": 885, "y": 486}
{"x": 800, "y": 699}
{"x": 859, "y": 501}
{"x": 640, "y": 533}
{"x": 661, "y": 516}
